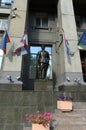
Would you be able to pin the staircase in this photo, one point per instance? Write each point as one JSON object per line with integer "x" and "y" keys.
{"x": 15, "y": 103}
{"x": 74, "y": 120}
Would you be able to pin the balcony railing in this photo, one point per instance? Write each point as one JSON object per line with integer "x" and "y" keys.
{"x": 5, "y": 5}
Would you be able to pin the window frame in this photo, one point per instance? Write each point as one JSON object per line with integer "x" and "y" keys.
{"x": 41, "y": 16}
{"x": 2, "y": 23}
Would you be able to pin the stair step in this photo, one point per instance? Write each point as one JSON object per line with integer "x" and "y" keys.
{"x": 79, "y": 105}
{"x": 70, "y": 120}
{"x": 70, "y": 127}
{"x": 74, "y": 112}
{"x": 73, "y": 120}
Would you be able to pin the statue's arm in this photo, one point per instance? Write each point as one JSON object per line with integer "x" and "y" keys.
{"x": 48, "y": 56}
{"x": 38, "y": 58}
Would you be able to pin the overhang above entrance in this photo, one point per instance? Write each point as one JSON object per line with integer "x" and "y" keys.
{"x": 47, "y": 5}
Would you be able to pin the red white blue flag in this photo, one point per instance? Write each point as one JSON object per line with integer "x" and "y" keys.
{"x": 22, "y": 47}
{"x": 5, "y": 40}
{"x": 67, "y": 46}
{"x": 67, "y": 49}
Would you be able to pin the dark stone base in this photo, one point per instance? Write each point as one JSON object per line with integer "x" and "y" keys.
{"x": 43, "y": 85}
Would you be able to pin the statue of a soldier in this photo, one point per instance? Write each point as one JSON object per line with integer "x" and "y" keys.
{"x": 42, "y": 63}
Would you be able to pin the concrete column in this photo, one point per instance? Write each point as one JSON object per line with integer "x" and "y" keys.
{"x": 12, "y": 64}
{"x": 66, "y": 20}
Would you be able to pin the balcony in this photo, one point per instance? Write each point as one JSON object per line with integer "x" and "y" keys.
{"x": 5, "y": 8}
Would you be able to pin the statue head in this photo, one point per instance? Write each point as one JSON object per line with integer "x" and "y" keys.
{"x": 43, "y": 47}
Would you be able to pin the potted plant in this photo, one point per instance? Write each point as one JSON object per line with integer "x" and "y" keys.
{"x": 40, "y": 121}
{"x": 64, "y": 103}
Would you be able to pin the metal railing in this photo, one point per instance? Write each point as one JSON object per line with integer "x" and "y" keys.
{"x": 5, "y": 5}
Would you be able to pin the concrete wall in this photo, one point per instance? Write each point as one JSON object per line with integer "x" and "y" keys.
{"x": 67, "y": 27}
{"x": 16, "y": 31}
{"x": 12, "y": 63}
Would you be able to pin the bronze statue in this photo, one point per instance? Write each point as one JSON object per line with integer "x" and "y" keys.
{"x": 42, "y": 63}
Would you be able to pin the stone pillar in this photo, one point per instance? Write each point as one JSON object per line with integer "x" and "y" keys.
{"x": 66, "y": 20}
{"x": 12, "y": 63}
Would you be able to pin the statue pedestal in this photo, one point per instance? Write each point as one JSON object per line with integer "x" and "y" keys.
{"x": 43, "y": 84}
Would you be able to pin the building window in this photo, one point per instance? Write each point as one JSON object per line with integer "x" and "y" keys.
{"x": 6, "y": 1}
{"x": 33, "y": 67}
{"x": 81, "y": 23}
{"x": 41, "y": 21}
{"x": 3, "y": 24}
{"x": 1, "y": 57}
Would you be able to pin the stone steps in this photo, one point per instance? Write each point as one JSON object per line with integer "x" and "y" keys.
{"x": 11, "y": 117}
{"x": 74, "y": 120}
{"x": 71, "y": 127}
{"x": 15, "y": 103}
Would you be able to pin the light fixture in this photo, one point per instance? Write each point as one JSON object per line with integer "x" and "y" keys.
{"x": 77, "y": 80}
{"x": 13, "y": 15}
{"x": 10, "y": 78}
{"x": 68, "y": 79}
{"x": 14, "y": 9}
{"x": 19, "y": 78}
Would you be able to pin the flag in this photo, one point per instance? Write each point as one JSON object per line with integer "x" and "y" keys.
{"x": 10, "y": 52}
{"x": 22, "y": 47}
{"x": 82, "y": 41}
{"x": 67, "y": 46}
{"x": 67, "y": 50}
{"x": 5, "y": 40}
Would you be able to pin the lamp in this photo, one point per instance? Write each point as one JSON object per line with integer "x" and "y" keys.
{"x": 10, "y": 78}
{"x": 14, "y": 9}
{"x": 13, "y": 15}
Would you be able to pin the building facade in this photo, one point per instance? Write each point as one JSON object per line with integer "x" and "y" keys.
{"x": 51, "y": 23}
{"x": 46, "y": 23}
